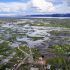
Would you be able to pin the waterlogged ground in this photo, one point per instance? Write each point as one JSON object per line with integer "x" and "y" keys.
{"x": 32, "y": 33}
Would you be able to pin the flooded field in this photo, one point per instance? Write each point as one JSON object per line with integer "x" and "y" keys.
{"x": 40, "y": 34}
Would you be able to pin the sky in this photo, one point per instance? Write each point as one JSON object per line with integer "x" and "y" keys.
{"x": 26, "y": 7}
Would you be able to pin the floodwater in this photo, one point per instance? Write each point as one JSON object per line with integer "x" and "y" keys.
{"x": 26, "y": 33}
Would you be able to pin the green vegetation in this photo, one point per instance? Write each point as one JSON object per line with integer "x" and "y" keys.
{"x": 60, "y": 33}
{"x": 18, "y": 57}
{"x": 61, "y": 53}
{"x": 35, "y": 51}
{"x": 36, "y": 38}
{"x": 4, "y": 48}
{"x": 60, "y": 60}
{"x": 52, "y": 22}
{"x": 39, "y": 24}
{"x": 49, "y": 22}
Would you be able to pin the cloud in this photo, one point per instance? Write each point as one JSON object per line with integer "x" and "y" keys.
{"x": 47, "y": 6}
{"x": 66, "y": 2}
{"x": 20, "y": 7}
{"x": 63, "y": 8}
{"x": 43, "y": 5}
{"x": 12, "y": 7}
{"x": 36, "y": 6}
{"x": 8, "y": 14}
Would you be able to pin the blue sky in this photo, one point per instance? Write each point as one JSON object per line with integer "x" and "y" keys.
{"x": 14, "y": 0}
{"x": 19, "y": 7}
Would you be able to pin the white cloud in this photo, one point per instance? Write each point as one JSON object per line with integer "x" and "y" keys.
{"x": 12, "y": 7}
{"x": 38, "y": 6}
{"x": 47, "y": 6}
{"x": 63, "y": 8}
{"x": 66, "y": 2}
{"x": 43, "y": 5}
{"x": 9, "y": 14}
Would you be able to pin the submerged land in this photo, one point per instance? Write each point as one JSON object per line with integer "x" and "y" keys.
{"x": 35, "y": 43}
